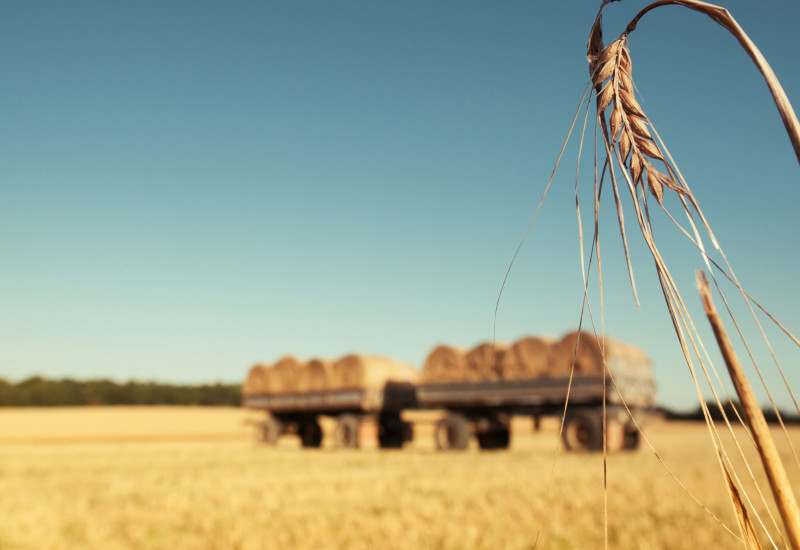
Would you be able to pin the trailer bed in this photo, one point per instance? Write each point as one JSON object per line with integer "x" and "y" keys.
{"x": 394, "y": 396}
{"x": 526, "y": 392}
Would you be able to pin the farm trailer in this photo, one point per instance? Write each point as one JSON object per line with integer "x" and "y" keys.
{"x": 298, "y": 413}
{"x": 482, "y": 409}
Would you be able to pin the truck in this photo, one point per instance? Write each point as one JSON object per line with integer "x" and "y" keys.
{"x": 481, "y": 408}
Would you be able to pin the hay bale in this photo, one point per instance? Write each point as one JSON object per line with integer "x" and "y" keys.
{"x": 256, "y": 381}
{"x": 369, "y": 371}
{"x": 626, "y": 353}
{"x": 314, "y": 375}
{"x": 528, "y": 357}
{"x": 620, "y": 357}
{"x": 628, "y": 363}
{"x": 283, "y": 375}
{"x": 445, "y": 364}
{"x": 589, "y": 356}
{"x": 484, "y": 360}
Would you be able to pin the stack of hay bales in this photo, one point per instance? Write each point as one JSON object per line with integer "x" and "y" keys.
{"x": 369, "y": 371}
{"x": 445, "y": 364}
{"x": 284, "y": 374}
{"x": 256, "y": 381}
{"x": 289, "y": 375}
{"x": 484, "y": 361}
{"x": 282, "y": 377}
{"x": 529, "y": 357}
{"x": 450, "y": 364}
{"x": 314, "y": 376}
{"x": 588, "y": 355}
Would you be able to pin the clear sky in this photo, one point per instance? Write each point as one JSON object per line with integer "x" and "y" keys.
{"x": 192, "y": 187}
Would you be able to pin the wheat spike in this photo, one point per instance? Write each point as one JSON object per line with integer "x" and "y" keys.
{"x": 629, "y": 132}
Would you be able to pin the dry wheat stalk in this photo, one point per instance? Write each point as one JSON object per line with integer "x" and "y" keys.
{"x": 631, "y": 140}
{"x": 723, "y": 17}
{"x": 779, "y": 482}
{"x": 746, "y": 526}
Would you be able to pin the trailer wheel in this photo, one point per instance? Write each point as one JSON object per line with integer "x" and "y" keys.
{"x": 496, "y": 439}
{"x": 393, "y": 432}
{"x": 270, "y": 430}
{"x": 391, "y": 439}
{"x": 311, "y": 434}
{"x": 347, "y": 431}
{"x": 583, "y": 431}
{"x": 631, "y": 441}
{"x": 452, "y": 433}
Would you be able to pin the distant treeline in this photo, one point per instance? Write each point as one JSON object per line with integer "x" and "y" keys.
{"x": 41, "y": 392}
{"x": 697, "y": 414}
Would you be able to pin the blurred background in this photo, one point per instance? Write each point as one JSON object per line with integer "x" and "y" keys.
{"x": 190, "y": 188}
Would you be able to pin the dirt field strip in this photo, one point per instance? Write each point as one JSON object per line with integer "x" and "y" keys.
{"x": 89, "y": 424}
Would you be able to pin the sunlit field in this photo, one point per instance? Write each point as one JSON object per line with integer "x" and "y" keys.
{"x": 194, "y": 478}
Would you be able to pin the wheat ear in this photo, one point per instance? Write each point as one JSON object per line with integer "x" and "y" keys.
{"x": 628, "y": 125}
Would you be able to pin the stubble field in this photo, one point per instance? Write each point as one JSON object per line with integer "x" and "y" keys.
{"x": 193, "y": 478}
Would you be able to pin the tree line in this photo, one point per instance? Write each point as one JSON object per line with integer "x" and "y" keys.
{"x": 41, "y": 392}
{"x": 37, "y": 391}
{"x": 731, "y": 409}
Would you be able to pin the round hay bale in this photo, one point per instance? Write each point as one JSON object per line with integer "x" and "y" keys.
{"x": 631, "y": 366}
{"x": 369, "y": 371}
{"x": 284, "y": 374}
{"x": 588, "y": 357}
{"x": 314, "y": 376}
{"x": 445, "y": 364}
{"x": 404, "y": 372}
{"x": 625, "y": 353}
{"x": 484, "y": 361}
{"x": 528, "y": 357}
{"x": 256, "y": 381}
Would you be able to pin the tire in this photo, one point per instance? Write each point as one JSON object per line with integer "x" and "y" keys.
{"x": 311, "y": 434}
{"x": 391, "y": 439}
{"x": 631, "y": 441}
{"x": 496, "y": 439}
{"x": 583, "y": 431}
{"x": 347, "y": 432}
{"x": 393, "y": 432}
{"x": 452, "y": 433}
{"x": 408, "y": 432}
{"x": 270, "y": 430}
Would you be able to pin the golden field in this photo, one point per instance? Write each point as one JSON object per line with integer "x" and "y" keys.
{"x": 185, "y": 477}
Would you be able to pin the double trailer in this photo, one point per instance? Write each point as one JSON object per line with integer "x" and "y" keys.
{"x": 482, "y": 409}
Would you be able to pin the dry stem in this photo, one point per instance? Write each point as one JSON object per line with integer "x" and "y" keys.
{"x": 724, "y": 18}
{"x": 779, "y": 482}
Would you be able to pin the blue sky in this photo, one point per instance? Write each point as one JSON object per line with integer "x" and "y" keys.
{"x": 192, "y": 187}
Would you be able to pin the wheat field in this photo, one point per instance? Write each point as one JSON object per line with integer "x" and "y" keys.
{"x": 174, "y": 477}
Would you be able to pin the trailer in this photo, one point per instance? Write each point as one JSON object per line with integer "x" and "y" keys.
{"x": 485, "y": 409}
{"x": 470, "y": 409}
{"x": 597, "y": 390}
{"x": 299, "y": 413}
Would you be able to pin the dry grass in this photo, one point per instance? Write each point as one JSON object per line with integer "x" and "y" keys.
{"x": 210, "y": 491}
{"x": 632, "y": 144}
